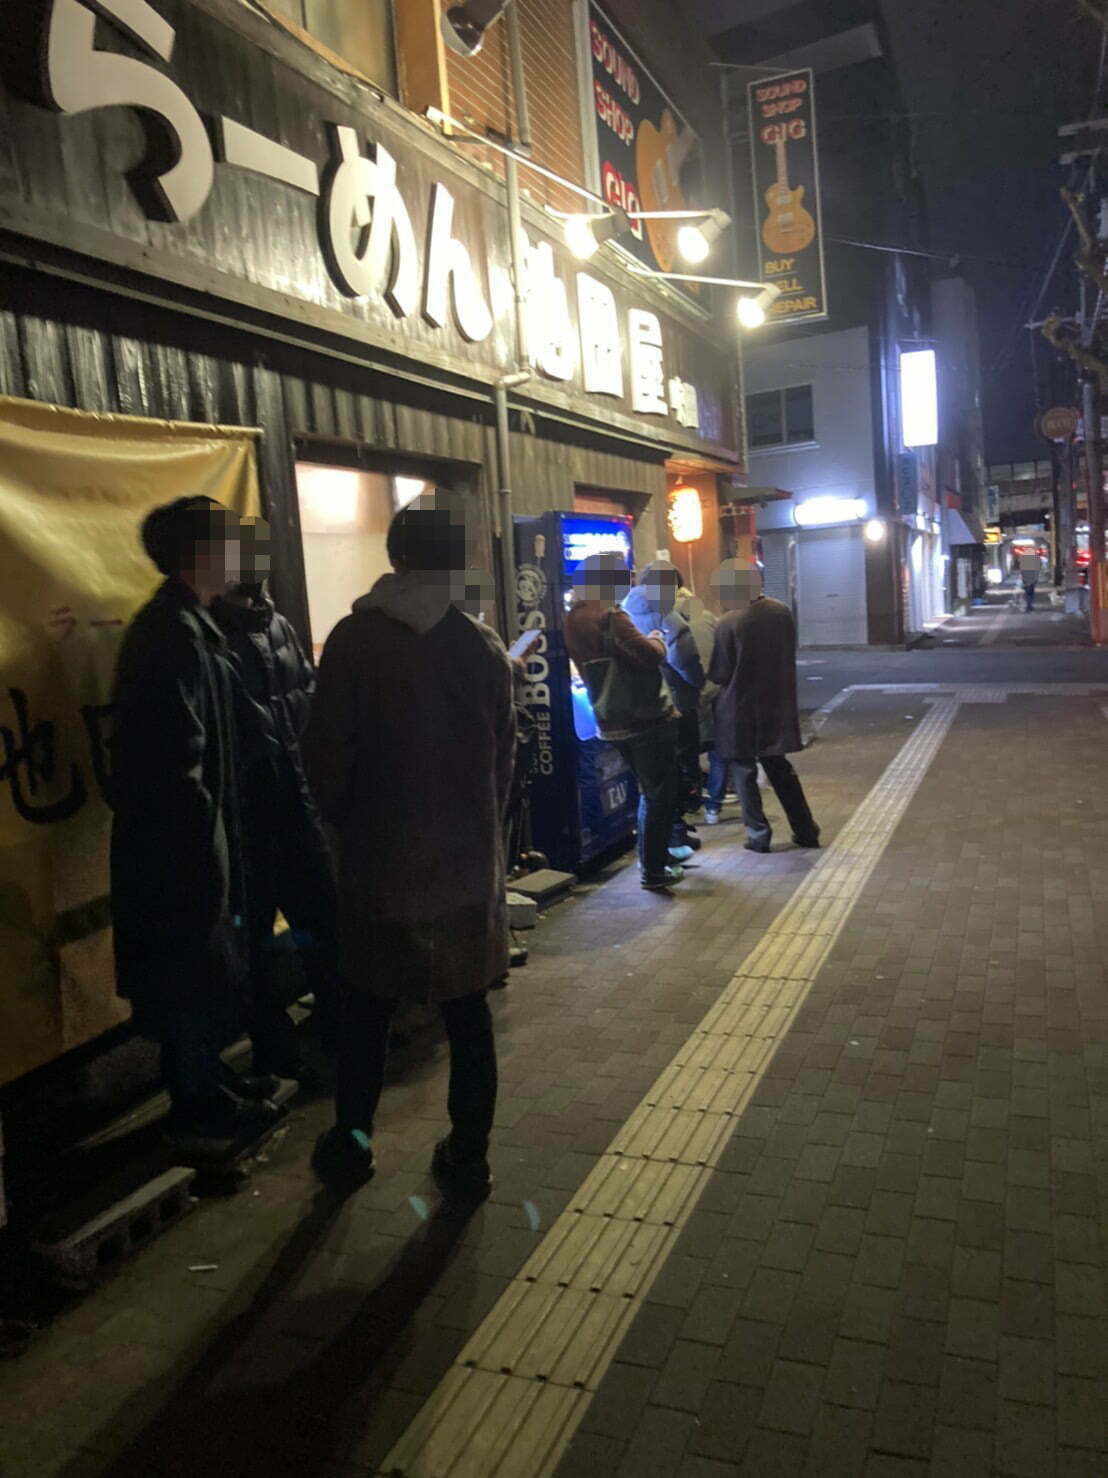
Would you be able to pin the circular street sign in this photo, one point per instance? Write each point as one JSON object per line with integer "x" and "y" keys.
{"x": 1059, "y": 423}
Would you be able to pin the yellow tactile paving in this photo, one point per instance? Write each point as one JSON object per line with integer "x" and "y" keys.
{"x": 551, "y": 1336}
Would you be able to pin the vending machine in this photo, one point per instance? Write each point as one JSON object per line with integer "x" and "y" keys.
{"x": 583, "y": 793}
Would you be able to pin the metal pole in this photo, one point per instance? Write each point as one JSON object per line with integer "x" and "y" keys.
{"x": 519, "y": 81}
{"x": 1091, "y": 405}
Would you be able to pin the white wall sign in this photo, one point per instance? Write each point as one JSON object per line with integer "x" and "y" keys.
{"x": 601, "y": 350}
{"x": 449, "y": 268}
{"x": 685, "y": 403}
{"x": 551, "y": 341}
{"x": 648, "y": 375}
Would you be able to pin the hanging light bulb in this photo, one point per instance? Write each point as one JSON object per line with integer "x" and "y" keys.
{"x": 695, "y": 241}
{"x": 583, "y": 234}
{"x": 752, "y": 311}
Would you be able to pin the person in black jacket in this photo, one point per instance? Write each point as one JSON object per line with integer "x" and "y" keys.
{"x": 177, "y": 878}
{"x": 288, "y": 866}
{"x": 756, "y": 712}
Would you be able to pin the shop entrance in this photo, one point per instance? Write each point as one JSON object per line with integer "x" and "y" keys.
{"x": 346, "y": 507}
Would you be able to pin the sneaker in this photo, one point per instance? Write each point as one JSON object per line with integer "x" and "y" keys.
{"x": 692, "y": 840}
{"x": 223, "y": 1135}
{"x": 460, "y": 1180}
{"x": 812, "y": 841}
{"x": 658, "y": 884}
{"x": 680, "y": 854}
{"x": 711, "y": 816}
{"x": 343, "y": 1158}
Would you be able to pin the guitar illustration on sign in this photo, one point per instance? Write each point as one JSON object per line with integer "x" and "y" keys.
{"x": 788, "y": 228}
{"x": 660, "y": 154}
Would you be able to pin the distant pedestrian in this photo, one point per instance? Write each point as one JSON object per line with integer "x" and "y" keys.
{"x": 288, "y": 866}
{"x": 1031, "y": 567}
{"x": 757, "y": 715}
{"x": 178, "y": 902}
{"x": 622, "y": 671}
{"x": 409, "y": 749}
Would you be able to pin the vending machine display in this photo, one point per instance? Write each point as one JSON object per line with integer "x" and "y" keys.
{"x": 583, "y": 793}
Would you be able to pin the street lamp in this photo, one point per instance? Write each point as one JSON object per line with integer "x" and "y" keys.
{"x": 464, "y": 26}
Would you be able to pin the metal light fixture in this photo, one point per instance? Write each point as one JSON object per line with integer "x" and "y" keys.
{"x": 695, "y": 242}
{"x": 464, "y": 26}
{"x": 752, "y": 311}
{"x": 875, "y": 530}
{"x": 584, "y": 233}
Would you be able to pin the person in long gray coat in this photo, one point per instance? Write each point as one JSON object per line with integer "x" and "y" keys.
{"x": 409, "y": 749}
{"x": 756, "y": 710}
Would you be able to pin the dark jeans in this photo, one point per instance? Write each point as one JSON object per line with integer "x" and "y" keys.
{"x": 297, "y": 879}
{"x": 786, "y": 784}
{"x": 717, "y": 779}
{"x": 1029, "y": 592}
{"x": 190, "y": 1043}
{"x": 653, "y": 757}
{"x": 471, "y": 1098}
{"x": 688, "y": 760}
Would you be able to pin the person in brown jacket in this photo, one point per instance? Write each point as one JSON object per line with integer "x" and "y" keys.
{"x": 409, "y": 749}
{"x": 622, "y": 670}
{"x": 756, "y": 710}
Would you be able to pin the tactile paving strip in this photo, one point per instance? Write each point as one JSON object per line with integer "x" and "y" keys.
{"x": 521, "y": 1386}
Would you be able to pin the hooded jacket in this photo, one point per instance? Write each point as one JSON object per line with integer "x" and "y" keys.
{"x": 682, "y": 668}
{"x": 409, "y": 749}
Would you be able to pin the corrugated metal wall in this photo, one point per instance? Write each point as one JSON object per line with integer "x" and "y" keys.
{"x": 77, "y": 346}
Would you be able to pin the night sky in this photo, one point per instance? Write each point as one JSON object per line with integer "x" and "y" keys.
{"x": 989, "y": 82}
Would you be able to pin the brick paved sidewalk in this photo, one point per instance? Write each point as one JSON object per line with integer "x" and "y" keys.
{"x": 896, "y": 1268}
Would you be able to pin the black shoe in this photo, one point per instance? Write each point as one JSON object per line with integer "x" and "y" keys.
{"x": 253, "y": 1087}
{"x": 812, "y": 841}
{"x": 664, "y": 880}
{"x": 692, "y": 840}
{"x": 757, "y": 846}
{"x": 223, "y": 1135}
{"x": 460, "y": 1180}
{"x": 517, "y": 956}
{"x": 343, "y": 1158}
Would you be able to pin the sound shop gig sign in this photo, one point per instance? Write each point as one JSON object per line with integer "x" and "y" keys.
{"x": 647, "y": 157}
{"x": 785, "y": 167}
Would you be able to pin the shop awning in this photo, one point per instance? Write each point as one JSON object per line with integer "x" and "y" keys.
{"x": 963, "y": 528}
{"x": 754, "y": 495}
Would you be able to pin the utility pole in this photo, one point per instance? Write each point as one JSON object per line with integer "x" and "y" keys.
{"x": 1098, "y": 614}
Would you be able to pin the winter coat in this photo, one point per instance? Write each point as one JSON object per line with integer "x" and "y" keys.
{"x": 702, "y": 623}
{"x": 278, "y": 680}
{"x": 409, "y": 749}
{"x": 177, "y": 885}
{"x": 595, "y": 631}
{"x": 682, "y": 668}
{"x": 754, "y": 663}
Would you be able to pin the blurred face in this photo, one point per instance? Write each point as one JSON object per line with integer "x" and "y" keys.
{"x": 256, "y": 541}
{"x": 217, "y": 557}
{"x": 609, "y": 585}
{"x": 661, "y": 588}
{"x": 736, "y": 585}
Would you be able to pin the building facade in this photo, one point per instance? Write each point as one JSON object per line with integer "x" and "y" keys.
{"x": 220, "y": 213}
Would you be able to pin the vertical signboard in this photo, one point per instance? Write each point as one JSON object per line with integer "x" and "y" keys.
{"x": 785, "y": 167}
{"x": 645, "y": 155}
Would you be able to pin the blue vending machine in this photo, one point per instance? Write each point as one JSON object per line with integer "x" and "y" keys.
{"x": 583, "y": 793}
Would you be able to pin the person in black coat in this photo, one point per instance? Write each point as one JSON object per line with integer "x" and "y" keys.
{"x": 288, "y": 865}
{"x": 176, "y": 869}
{"x": 756, "y": 712}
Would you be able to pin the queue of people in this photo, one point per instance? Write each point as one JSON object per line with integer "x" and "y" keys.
{"x": 368, "y": 804}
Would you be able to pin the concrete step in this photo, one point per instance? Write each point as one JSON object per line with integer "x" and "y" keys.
{"x": 89, "y": 1239}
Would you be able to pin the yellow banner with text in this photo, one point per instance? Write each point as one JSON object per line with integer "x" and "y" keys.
{"x": 74, "y": 489}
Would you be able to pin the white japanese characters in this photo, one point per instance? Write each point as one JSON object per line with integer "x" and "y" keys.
{"x": 366, "y": 229}
{"x": 601, "y": 350}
